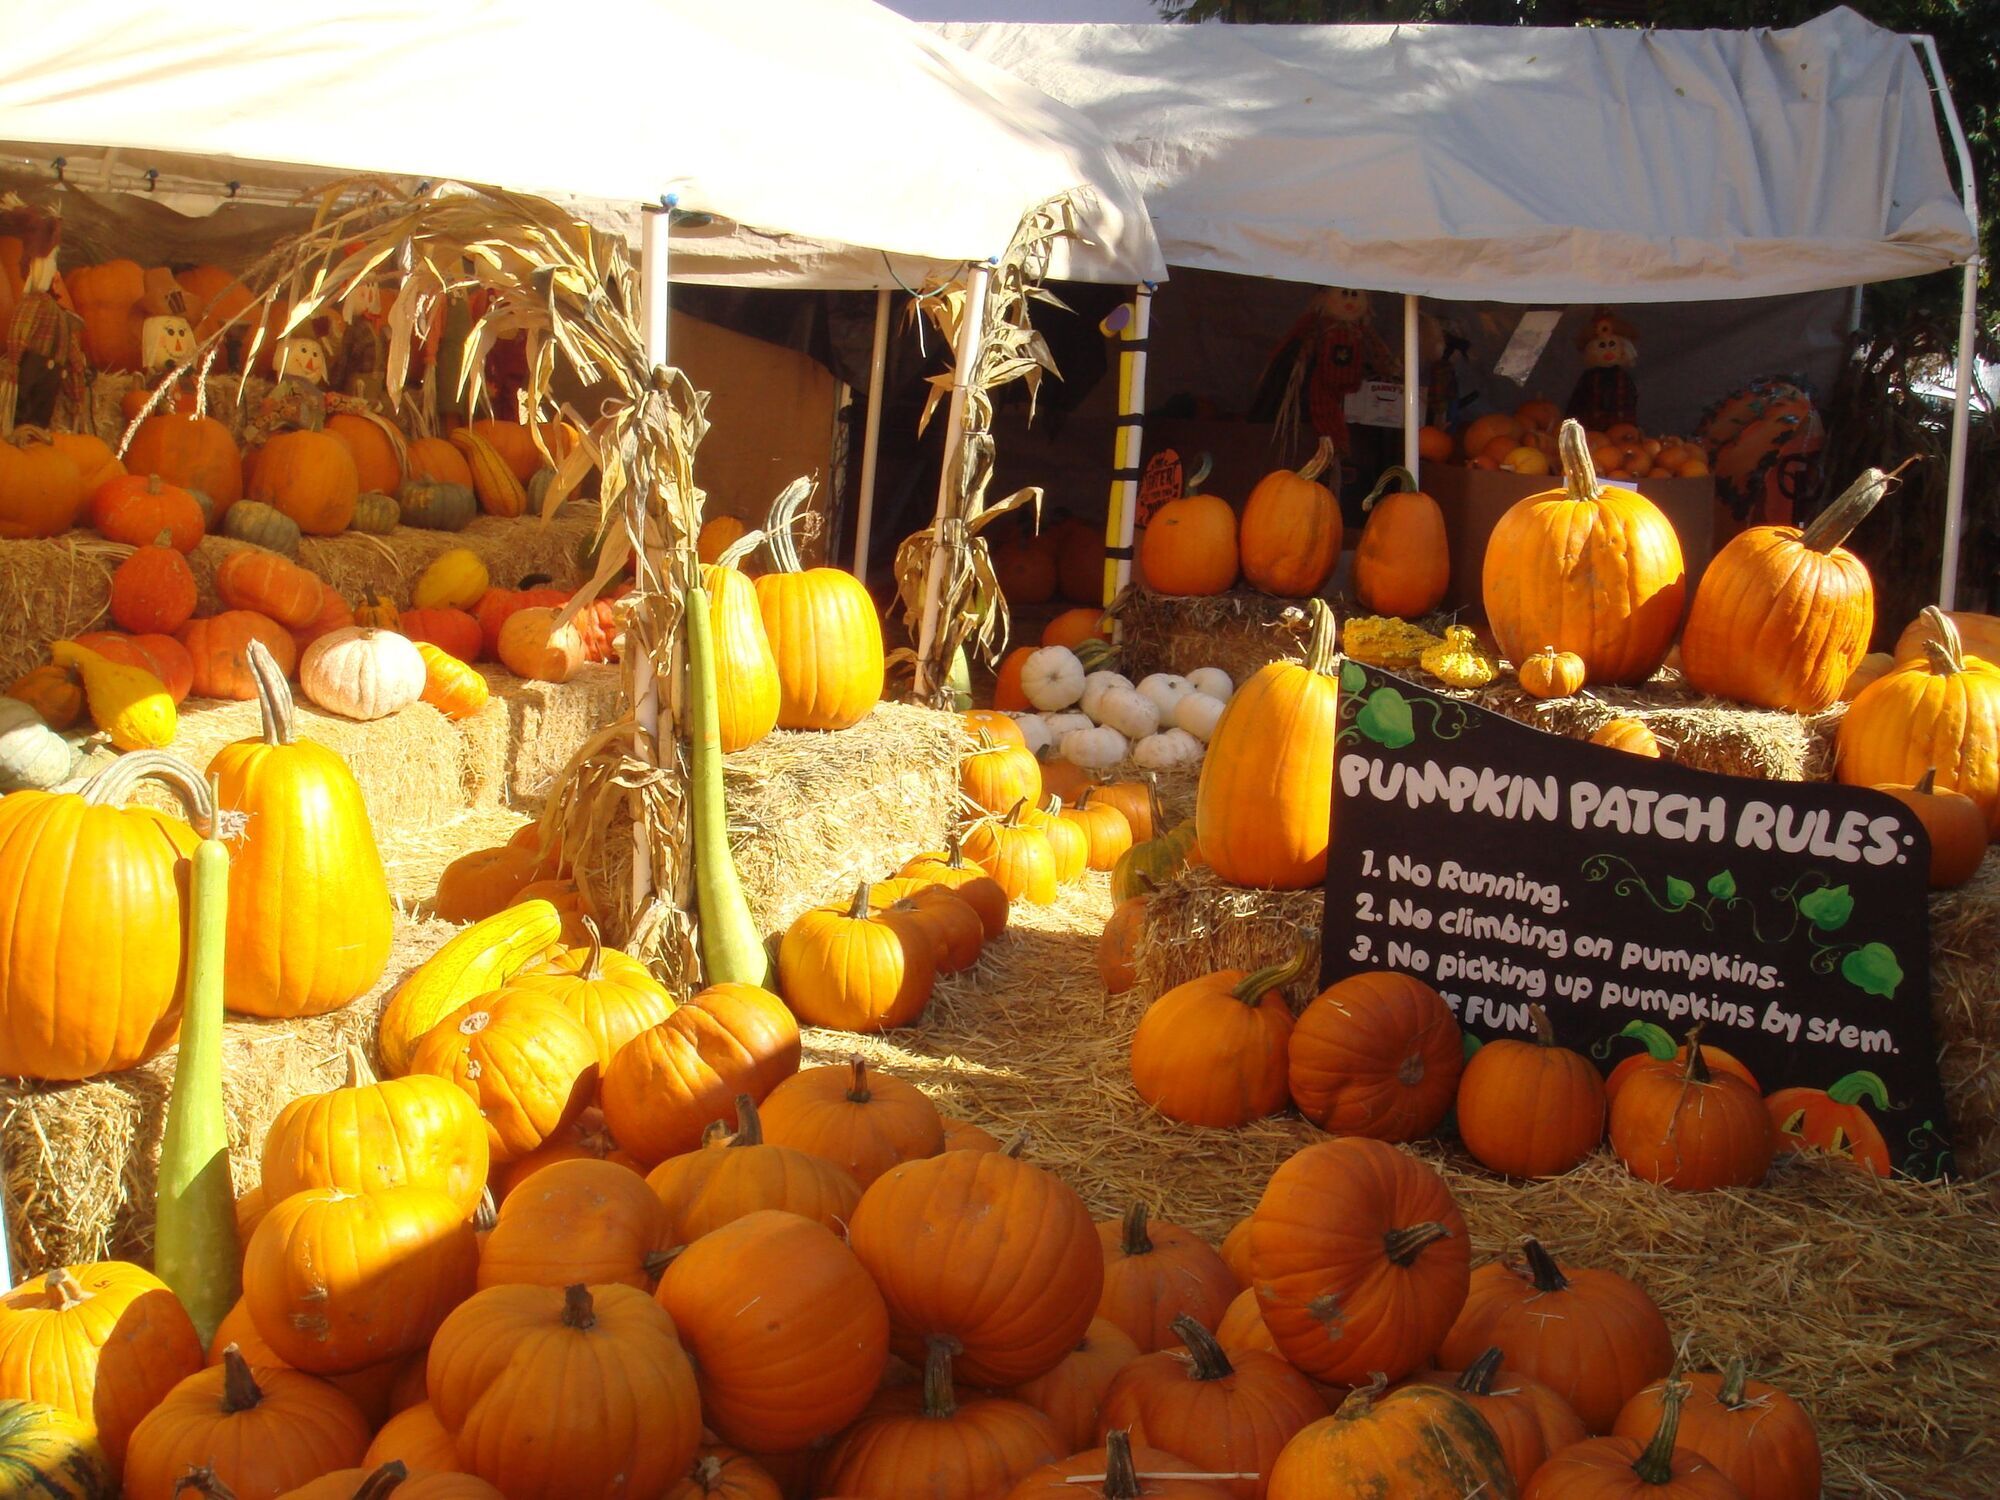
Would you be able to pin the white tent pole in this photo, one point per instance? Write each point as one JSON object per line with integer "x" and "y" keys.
{"x": 1968, "y": 324}
{"x": 971, "y": 330}
{"x": 1128, "y": 445}
{"x": 654, "y": 224}
{"x": 871, "y": 441}
{"x": 1413, "y": 396}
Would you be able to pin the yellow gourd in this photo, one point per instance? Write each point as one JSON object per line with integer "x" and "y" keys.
{"x": 1457, "y": 660}
{"x": 455, "y": 580}
{"x": 476, "y": 962}
{"x": 1384, "y": 641}
{"x": 129, "y": 704}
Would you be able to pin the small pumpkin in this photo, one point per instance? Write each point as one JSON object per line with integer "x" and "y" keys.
{"x": 1190, "y": 546}
{"x": 263, "y": 526}
{"x": 219, "y": 646}
{"x": 970, "y": 883}
{"x": 1954, "y": 824}
{"x": 1530, "y": 1109}
{"x": 137, "y": 509}
{"x": 361, "y": 673}
{"x": 153, "y": 591}
{"x": 1550, "y": 673}
{"x": 1941, "y": 711}
{"x": 823, "y": 629}
{"x": 376, "y": 513}
{"x": 1377, "y": 1054}
{"x": 1633, "y": 736}
{"x": 614, "y": 996}
{"x": 667, "y": 1085}
{"x": 453, "y": 630}
{"x": 475, "y": 886}
{"x": 853, "y": 969}
{"x": 451, "y": 687}
{"x": 578, "y": 1220}
{"x": 1213, "y": 1051}
{"x": 55, "y": 693}
{"x": 452, "y": 580}
{"x": 1118, "y": 1471}
{"x": 437, "y": 504}
{"x": 717, "y": 535}
{"x": 1459, "y": 661}
{"x": 375, "y": 446}
{"x": 1017, "y": 856}
{"x": 1402, "y": 565}
{"x": 995, "y": 774}
{"x": 195, "y": 452}
{"x": 1069, "y": 846}
{"x": 533, "y": 646}
{"x": 161, "y": 656}
{"x": 1530, "y": 1420}
{"x": 1117, "y": 947}
{"x": 1289, "y": 538}
{"x": 1687, "y": 1127}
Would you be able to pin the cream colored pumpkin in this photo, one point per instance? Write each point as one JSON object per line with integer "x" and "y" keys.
{"x": 362, "y": 673}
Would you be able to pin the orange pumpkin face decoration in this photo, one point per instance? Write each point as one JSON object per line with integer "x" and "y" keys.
{"x": 1833, "y": 1120}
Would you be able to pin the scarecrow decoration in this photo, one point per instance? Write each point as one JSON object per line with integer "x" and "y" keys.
{"x": 1325, "y": 357}
{"x": 1606, "y": 395}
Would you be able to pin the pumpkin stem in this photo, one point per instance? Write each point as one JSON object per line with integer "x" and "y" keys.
{"x": 940, "y": 1400}
{"x": 593, "y": 963}
{"x": 1579, "y": 473}
{"x": 578, "y": 1311}
{"x": 359, "y": 1074}
{"x": 1135, "y": 1240}
{"x": 485, "y": 1213}
{"x": 1942, "y": 646}
{"x": 1192, "y": 484}
{"x": 1323, "y": 646}
{"x": 954, "y": 851}
{"x": 1360, "y": 1401}
{"x": 1015, "y": 814}
{"x": 274, "y": 696}
{"x": 383, "y": 1480}
{"x": 739, "y": 549}
{"x": 1734, "y": 1375}
{"x": 858, "y": 908}
{"x": 1403, "y": 1246}
{"x": 1402, "y": 479}
{"x": 1542, "y": 1268}
{"x": 1849, "y": 509}
{"x": 778, "y": 525}
{"x": 1477, "y": 1378}
{"x": 1317, "y": 464}
{"x": 62, "y": 1290}
{"x": 1254, "y": 986}
{"x": 1205, "y": 1354}
{"x": 857, "y": 1091}
{"x": 1016, "y": 1145}
{"x": 1545, "y": 1029}
{"x": 240, "y": 1391}
{"x": 749, "y": 1129}
{"x": 1655, "y": 1465}
{"x": 1927, "y": 783}
{"x": 1697, "y": 1065}
{"x": 708, "y": 1472}
{"x": 1121, "y": 1475}
{"x": 111, "y": 786}
{"x": 203, "y": 1480}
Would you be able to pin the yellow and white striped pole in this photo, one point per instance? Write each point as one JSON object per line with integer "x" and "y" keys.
{"x": 1122, "y": 514}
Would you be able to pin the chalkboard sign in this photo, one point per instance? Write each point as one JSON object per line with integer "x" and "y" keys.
{"x": 1507, "y": 867}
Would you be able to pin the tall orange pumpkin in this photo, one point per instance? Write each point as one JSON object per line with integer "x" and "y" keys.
{"x": 1942, "y": 711}
{"x": 1589, "y": 568}
{"x": 1402, "y": 565}
{"x": 1264, "y": 803}
{"x": 106, "y": 296}
{"x": 823, "y": 632}
{"x": 1290, "y": 534}
{"x": 1783, "y": 616}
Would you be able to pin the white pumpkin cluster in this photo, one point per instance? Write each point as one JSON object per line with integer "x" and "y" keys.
{"x": 1098, "y": 720}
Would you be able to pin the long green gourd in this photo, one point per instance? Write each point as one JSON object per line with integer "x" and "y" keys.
{"x": 194, "y": 1231}
{"x": 732, "y": 950}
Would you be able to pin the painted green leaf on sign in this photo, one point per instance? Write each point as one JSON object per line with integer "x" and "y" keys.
{"x": 1679, "y": 892}
{"x": 1828, "y": 908}
{"x": 1352, "y": 678}
{"x": 1873, "y": 969}
{"x": 1386, "y": 719}
{"x": 1723, "y": 886}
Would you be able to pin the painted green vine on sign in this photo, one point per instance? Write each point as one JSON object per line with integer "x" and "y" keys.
{"x": 1385, "y": 718}
{"x": 1872, "y": 968}
{"x": 1722, "y": 886}
{"x": 1828, "y": 908}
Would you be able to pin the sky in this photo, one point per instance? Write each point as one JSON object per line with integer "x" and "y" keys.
{"x": 1027, "y": 10}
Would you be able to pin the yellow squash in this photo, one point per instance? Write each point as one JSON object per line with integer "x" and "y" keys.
{"x": 454, "y": 580}
{"x": 476, "y": 962}
{"x": 127, "y": 703}
{"x": 498, "y": 488}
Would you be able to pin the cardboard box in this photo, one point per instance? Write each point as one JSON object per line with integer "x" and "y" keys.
{"x": 1474, "y": 500}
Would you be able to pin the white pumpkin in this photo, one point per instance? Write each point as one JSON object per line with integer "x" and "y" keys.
{"x": 1128, "y": 712}
{"x": 1096, "y": 685}
{"x": 1163, "y": 690}
{"x": 1035, "y": 730}
{"x": 1197, "y": 713}
{"x": 1061, "y": 724}
{"x": 33, "y": 757}
{"x": 1213, "y": 681}
{"x": 1094, "y": 749}
{"x": 362, "y": 673}
{"x": 1052, "y": 678}
{"x": 1166, "y": 750}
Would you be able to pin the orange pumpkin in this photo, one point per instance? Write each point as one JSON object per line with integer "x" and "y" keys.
{"x": 532, "y": 645}
{"x": 1686, "y": 1127}
{"x": 94, "y": 460}
{"x": 1956, "y": 828}
{"x": 1155, "y": 1274}
{"x": 1530, "y": 1420}
{"x": 1072, "y": 1394}
{"x": 1832, "y": 1120}
{"x": 153, "y": 590}
{"x": 378, "y": 464}
{"x": 219, "y": 646}
{"x": 823, "y": 630}
{"x": 854, "y": 969}
{"x": 1402, "y": 565}
{"x": 196, "y": 453}
{"x": 1530, "y": 1109}
{"x": 1213, "y": 1051}
{"x": 1627, "y": 1468}
{"x": 1633, "y": 736}
{"x": 862, "y": 1121}
{"x": 309, "y": 477}
{"x": 41, "y": 488}
{"x": 730, "y": 1175}
{"x": 1755, "y": 1435}
{"x": 521, "y": 1058}
{"x": 434, "y": 458}
{"x": 1291, "y": 529}
{"x": 578, "y": 1220}
{"x": 251, "y": 578}
{"x": 56, "y": 693}
{"x": 136, "y": 510}
{"x": 1016, "y": 854}
{"x": 667, "y": 1085}
{"x": 106, "y": 297}
{"x": 162, "y": 655}
{"x": 1116, "y": 949}
{"x": 1377, "y": 1054}
{"x": 1189, "y": 547}
{"x": 1075, "y": 626}
{"x": 1942, "y": 712}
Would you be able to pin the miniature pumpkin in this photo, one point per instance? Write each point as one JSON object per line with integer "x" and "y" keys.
{"x": 823, "y": 631}
{"x": 1263, "y": 806}
{"x": 1417, "y": 1441}
{"x": 310, "y": 917}
{"x": 1458, "y": 660}
{"x": 1530, "y": 1109}
{"x": 667, "y": 1085}
{"x": 336, "y": 1281}
{"x": 1072, "y": 1394}
{"x": 1633, "y": 736}
{"x": 153, "y": 590}
{"x": 1359, "y": 1227}
{"x": 1189, "y": 546}
{"x": 1213, "y": 1051}
{"x": 436, "y": 504}
{"x": 252, "y": 579}
{"x": 1588, "y": 568}
{"x": 1782, "y": 616}
{"x": 376, "y": 514}
{"x": 739, "y": 1173}
{"x": 1953, "y": 822}
{"x": 1378, "y": 1054}
{"x": 1686, "y": 1127}
{"x": 1624, "y": 1468}
{"x": 139, "y": 510}
{"x": 453, "y": 580}
{"x": 942, "y": 1238}
{"x": 195, "y": 452}
{"x": 219, "y": 646}
{"x": 1550, "y": 673}
{"x": 1155, "y": 1273}
{"x": 532, "y": 645}
{"x": 521, "y": 1058}
{"x": 632, "y": 1424}
{"x": 1591, "y": 1336}
{"x": 1530, "y": 1420}
{"x": 263, "y": 526}
{"x": 1289, "y": 538}
{"x": 1402, "y": 565}
{"x": 1942, "y": 712}
{"x": 1755, "y": 1435}
{"x": 56, "y": 694}
{"x": 577, "y": 1220}
{"x": 361, "y": 673}
{"x": 309, "y": 477}
{"x": 855, "y": 970}
{"x": 793, "y": 1351}
{"x": 1832, "y": 1120}
{"x": 451, "y": 687}
{"x": 255, "y": 1434}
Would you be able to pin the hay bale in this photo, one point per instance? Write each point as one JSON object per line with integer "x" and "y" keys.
{"x": 811, "y": 814}
{"x": 1869, "y": 1300}
{"x": 517, "y": 745}
{"x": 1708, "y": 734}
{"x": 1239, "y": 631}
{"x": 413, "y": 858}
{"x": 51, "y": 589}
{"x": 82, "y": 1159}
{"x": 1198, "y": 925}
{"x": 1965, "y": 1009}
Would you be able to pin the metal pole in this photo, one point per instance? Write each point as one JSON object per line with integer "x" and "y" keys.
{"x": 1121, "y": 516}
{"x": 645, "y": 685}
{"x": 1413, "y": 396}
{"x": 970, "y": 332}
{"x": 871, "y": 441}
{"x": 1968, "y": 187}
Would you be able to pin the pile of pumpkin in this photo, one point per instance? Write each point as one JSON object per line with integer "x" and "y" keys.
{"x": 1525, "y": 443}
{"x": 846, "y": 1295}
{"x": 1068, "y": 705}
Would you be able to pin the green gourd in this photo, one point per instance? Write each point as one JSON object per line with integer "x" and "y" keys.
{"x": 376, "y": 514}
{"x": 732, "y": 950}
{"x": 434, "y": 505}
{"x": 195, "y": 1251}
{"x": 263, "y": 526}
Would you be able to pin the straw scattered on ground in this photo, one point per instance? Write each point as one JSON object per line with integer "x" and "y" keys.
{"x": 82, "y": 1159}
{"x": 1871, "y": 1301}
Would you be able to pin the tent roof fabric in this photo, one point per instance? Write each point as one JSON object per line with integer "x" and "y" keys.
{"x": 1525, "y": 164}
{"x": 831, "y": 118}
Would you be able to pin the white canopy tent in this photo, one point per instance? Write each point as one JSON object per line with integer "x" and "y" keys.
{"x": 1528, "y": 165}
